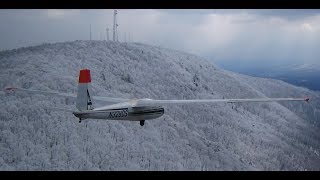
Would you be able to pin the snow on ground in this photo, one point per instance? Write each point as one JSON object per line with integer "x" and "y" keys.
{"x": 242, "y": 136}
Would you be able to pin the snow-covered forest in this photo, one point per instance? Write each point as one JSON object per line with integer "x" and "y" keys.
{"x": 34, "y": 135}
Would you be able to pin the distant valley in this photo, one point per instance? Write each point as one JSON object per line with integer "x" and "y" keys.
{"x": 304, "y": 75}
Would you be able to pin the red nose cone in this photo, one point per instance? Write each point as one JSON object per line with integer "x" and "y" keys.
{"x": 84, "y": 76}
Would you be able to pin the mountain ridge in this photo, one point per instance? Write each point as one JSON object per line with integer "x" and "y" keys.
{"x": 261, "y": 136}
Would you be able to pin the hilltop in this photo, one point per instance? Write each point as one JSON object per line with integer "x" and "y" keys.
{"x": 243, "y": 136}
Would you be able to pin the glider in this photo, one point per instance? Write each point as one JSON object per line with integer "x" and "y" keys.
{"x": 129, "y": 109}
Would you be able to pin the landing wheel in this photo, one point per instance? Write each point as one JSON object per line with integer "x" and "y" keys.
{"x": 141, "y": 122}
{"x": 79, "y": 120}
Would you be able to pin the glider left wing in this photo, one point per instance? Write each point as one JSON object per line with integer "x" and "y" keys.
{"x": 97, "y": 98}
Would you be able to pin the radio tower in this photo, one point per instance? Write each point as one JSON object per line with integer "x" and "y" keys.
{"x": 115, "y": 25}
{"x": 90, "y": 32}
{"x": 107, "y": 34}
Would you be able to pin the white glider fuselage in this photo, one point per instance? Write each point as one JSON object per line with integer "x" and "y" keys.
{"x": 131, "y": 113}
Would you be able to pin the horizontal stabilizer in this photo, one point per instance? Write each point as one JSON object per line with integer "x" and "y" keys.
{"x": 97, "y": 98}
{"x": 61, "y": 109}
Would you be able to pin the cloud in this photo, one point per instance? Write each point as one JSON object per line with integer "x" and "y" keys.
{"x": 221, "y": 35}
{"x": 307, "y": 27}
{"x": 287, "y": 14}
{"x": 61, "y": 13}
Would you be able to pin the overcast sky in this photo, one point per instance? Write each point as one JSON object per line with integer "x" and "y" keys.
{"x": 219, "y": 35}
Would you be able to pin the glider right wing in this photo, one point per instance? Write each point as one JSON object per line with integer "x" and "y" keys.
{"x": 152, "y": 102}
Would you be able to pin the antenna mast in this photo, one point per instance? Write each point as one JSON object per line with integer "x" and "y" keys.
{"x": 129, "y": 37}
{"x": 90, "y": 32}
{"x": 115, "y": 25}
{"x": 107, "y": 34}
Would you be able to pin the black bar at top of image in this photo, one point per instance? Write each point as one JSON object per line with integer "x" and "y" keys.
{"x": 158, "y": 4}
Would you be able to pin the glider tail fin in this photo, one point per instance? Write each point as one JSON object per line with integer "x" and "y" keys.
{"x": 84, "y": 101}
